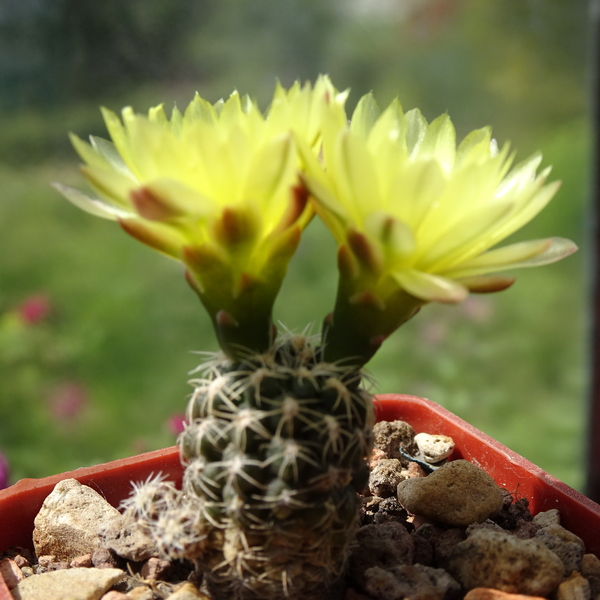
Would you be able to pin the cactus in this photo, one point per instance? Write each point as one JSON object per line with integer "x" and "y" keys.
{"x": 279, "y": 429}
{"x": 274, "y": 453}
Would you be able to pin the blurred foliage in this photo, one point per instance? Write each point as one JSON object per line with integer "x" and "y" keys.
{"x": 117, "y": 343}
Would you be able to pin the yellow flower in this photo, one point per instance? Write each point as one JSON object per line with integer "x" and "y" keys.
{"x": 217, "y": 188}
{"x": 416, "y": 217}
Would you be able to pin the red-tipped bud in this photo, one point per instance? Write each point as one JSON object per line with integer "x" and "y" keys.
{"x": 156, "y": 236}
{"x": 347, "y": 264}
{"x": 151, "y": 206}
{"x": 486, "y": 284}
{"x": 234, "y": 227}
{"x": 298, "y": 203}
{"x": 364, "y": 251}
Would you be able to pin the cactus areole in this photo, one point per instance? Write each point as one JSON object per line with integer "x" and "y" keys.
{"x": 279, "y": 429}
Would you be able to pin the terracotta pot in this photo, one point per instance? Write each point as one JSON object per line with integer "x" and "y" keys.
{"x": 20, "y": 503}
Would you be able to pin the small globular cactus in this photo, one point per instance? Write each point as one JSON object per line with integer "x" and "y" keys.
{"x": 275, "y": 452}
{"x": 279, "y": 428}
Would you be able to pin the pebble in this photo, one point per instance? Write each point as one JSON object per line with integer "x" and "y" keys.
{"x": 410, "y": 581}
{"x": 434, "y": 448}
{"x": 387, "y": 543}
{"x": 70, "y": 520}
{"x": 566, "y": 545}
{"x": 103, "y": 559}
{"x": 385, "y": 477}
{"x": 75, "y": 520}
{"x": 590, "y": 569}
{"x": 141, "y": 592}
{"x": 69, "y": 584}
{"x": 85, "y": 560}
{"x": 114, "y": 595}
{"x": 11, "y": 572}
{"x": 491, "y": 594}
{"x": 498, "y": 560}
{"x": 547, "y": 518}
{"x": 46, "y": 559}
{"x": 390, "y": 435}
{"x": 441, "y": 539}
{"x": 127, "y": 539}
{"x": 156, "y": 569}
{"x": 457, "y": 494}
{"x": 574, "y": 587}
{"x": 21, "y": 561}
{"x": 188, "y": 591}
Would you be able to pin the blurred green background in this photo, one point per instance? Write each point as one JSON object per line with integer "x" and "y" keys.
{"x": 97, "y": 332}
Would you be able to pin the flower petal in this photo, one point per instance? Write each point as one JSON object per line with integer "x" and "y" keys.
{"x": 523, "y": 254}
{"x": 431, "y": 288}
{"x": 109, "y": 152}
{"x": 364, "y": 116}
{"x": 439, "y": 142}
{"x": 272, "y": 172}
{"x": 166, "y": 199}
{"x": 88, "y": 153}
{"x": 110, "y": 184}
{"x": 483, "y": 284}
{"x": 93, "y": 206}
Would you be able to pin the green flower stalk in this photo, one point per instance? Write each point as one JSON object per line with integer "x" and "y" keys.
{"x": 416, "y": 217}
{"x": 279, "y": 429}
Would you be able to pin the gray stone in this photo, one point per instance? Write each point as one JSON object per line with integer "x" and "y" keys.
{"x": 547, "y": 518}
{"x": 566, "y": 545}
{"x": 410, "y": 582}
{"x": 104, "y": 559}
{"x": 127, "y": 539}
{"x": 391, "y": 435}
{"x": 385, "y": 477}
{"x": 75, "y": 520}
{"x": 387, "y": 543}
{"x": 69, "y": 584}
{"x": 590, "y": 569}
{"x": 442, "y": 541}
{"x": 434, "y": 448}
{"x": 456, "y": 494}
{"x": 492, "y": 559}
{"x": 70, "y": 520}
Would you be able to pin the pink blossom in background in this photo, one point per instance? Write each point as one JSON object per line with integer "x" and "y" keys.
{"x": 4, "y": 472}
{"x": 176, "y": 423}
{"x": 34, "y": 308}
{"x": 67, "y": 401}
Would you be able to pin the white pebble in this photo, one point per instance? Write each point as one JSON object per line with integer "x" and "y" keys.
{"x": 434, "y": 448}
